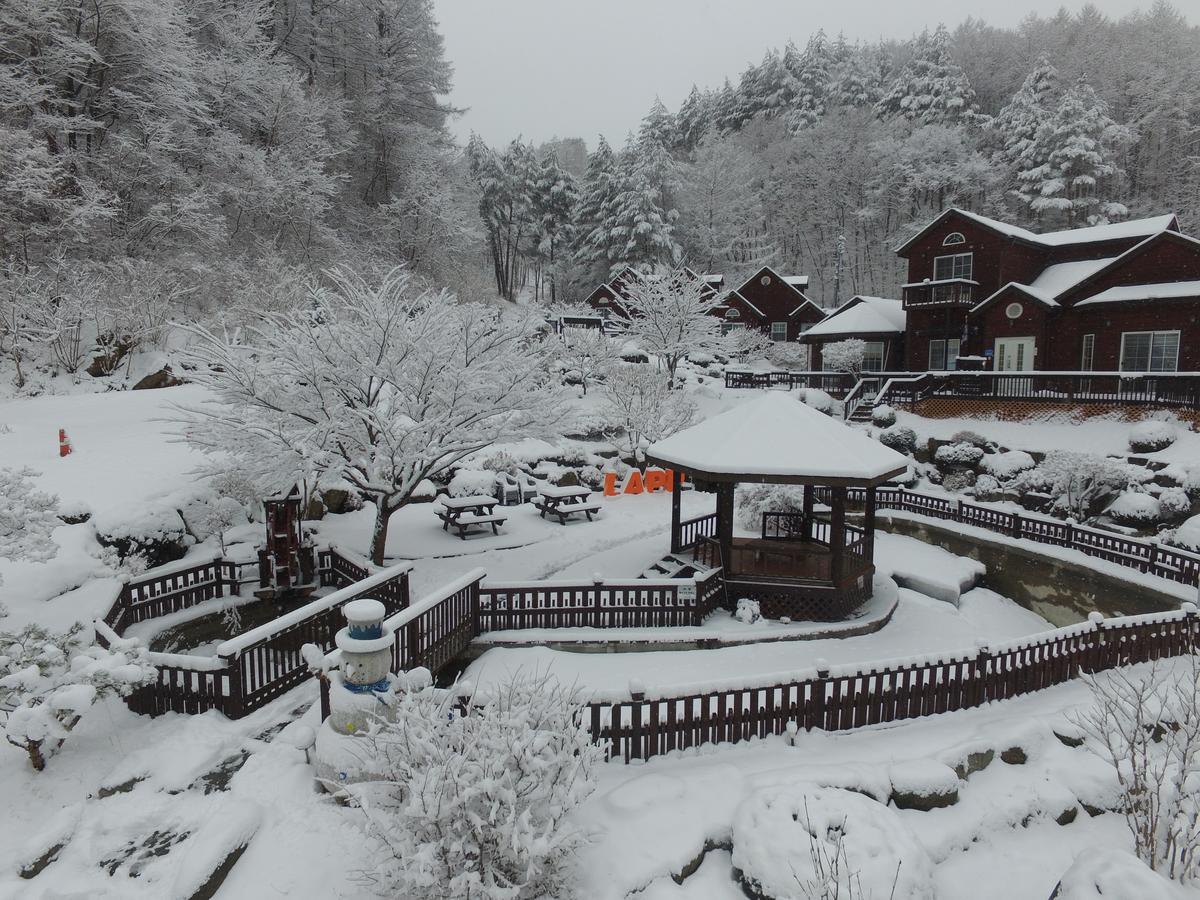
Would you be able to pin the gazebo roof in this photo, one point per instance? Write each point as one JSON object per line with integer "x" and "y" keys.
{"x": 776, "y": 438}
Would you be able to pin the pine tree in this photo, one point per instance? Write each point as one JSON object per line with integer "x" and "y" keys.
{"x": 555, "y": 200}
{"x": 1075, "y": 175}
{"x": 930, "y": 88}
{"x": 600, "y": 184}
{"x": 726, "y": 109}
{"x": 1016, "y": 126}
{"x": 812, "y": 82}
{"x": 776, "y": 86}
{"x": 859, "y": 78}
{"x": 638, "y": 224}
{"x": 692, "y": 121}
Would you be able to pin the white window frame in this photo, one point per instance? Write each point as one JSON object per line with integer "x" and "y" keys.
{"x": 1087, "y": 356}
{"x": 948, "y": 360}
{"x": 1150, "y": 359}
{"x": 732, "y": 313}
{"x": 779, "y": 331}
{"x": 873, "y": 356}
{"x": 956, "y": 270}
{"x": 954, "y": 238}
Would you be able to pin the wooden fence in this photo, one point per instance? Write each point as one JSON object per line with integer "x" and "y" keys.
{"x": 836, "y": 384}
{"x": 1143, "y": 555}
{"x": 170, "y": 589}
{"x": 639, "y": 727}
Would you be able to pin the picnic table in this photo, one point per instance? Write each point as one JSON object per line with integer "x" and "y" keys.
{"x": 464, "y": 513}
{"x": 564, "y": 502}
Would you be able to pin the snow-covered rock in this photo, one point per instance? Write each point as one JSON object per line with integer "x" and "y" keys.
{"x": 784, "y": 838}
{"x": 1101, "y": 874}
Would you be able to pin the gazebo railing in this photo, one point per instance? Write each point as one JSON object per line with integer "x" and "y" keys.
{"x": 692, "y": 531}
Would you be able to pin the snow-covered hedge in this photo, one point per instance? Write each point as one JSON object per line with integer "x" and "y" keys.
{"x": 1174, "y": 504}
{"x": 1151, "y": 435}
{"x": 883, "y": 416}
{"x": 1187, "y": 535}
{"x": 1005, "y": 465}
{"x": 818, "y": 400}
{"x": 900, "y": 438}
{"x": 1135, "y": 508}
{"x": 470, "y": 482}
{"x": 961, "y": 454}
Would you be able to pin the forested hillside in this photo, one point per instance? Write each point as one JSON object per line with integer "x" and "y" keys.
{"x": 198, "y": 155}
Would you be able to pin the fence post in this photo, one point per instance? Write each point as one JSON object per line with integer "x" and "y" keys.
{"x": 597, "y": 583}
{"x": 476, "y": 616}
{"x": 1152, "y": 559}
{"x": 412, "y": 637}
{"x": 264, "y": 578}
{"x": 637, "y": 693}
{"x": 1191, "y": 618}
{"x": 1016, "y": 522}
{"x": 236, "y": 704}
{"x": 982, "y": 658}
{"x": 1099, "y": 651}
{"x": 819, "y": 696}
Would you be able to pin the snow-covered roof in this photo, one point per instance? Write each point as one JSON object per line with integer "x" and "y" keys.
{"x": 1029, "y": 291}
{"x": 862, "y": 315}
{"x": 1170, "y": 290}
{"x": 714, "y": 279}
{"x": 744, "y": 300}
{"x": 1056, "y": 279}
{"x": 1135, "y": 228}
{"x": 796, "y": 281}
{"x": 776, "y": 435}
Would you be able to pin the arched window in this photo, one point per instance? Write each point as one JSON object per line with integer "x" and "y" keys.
{"x": 954, "y": 237}
{"x": 733, "y": 314}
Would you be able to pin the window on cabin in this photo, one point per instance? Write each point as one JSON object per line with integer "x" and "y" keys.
{"x": 733, "y": 314}
{"x": 727, "y": 327}
{"x": 954, "y": 237}
{"x": 765, "y": 280}
{"x": 779, "y": 331}
{"x": 943, "y": 354}
{"x": 1088, "y": 356}
{"x": 873, "y": 356}
{"x": 956, "y": 265}
{"x": 1149, "y": 351}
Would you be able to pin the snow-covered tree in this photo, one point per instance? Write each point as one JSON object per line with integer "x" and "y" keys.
{"x": 670, "y": 316}
{"x": 811, "y": 80}
{"x": 638, "y": 222}
{"x": 1017, "y": 125}
{"x": 1145, "y": 724}
{"x": 645, "y": 408}
{"x": 720, "y": 212}
{"x": 844, "y": 356}
{"x": 601, "y": 183}
{"x": 1073, "y": 176}
{"x": 506, "y": 205}
{"x": 48, "y": 680}
{"x": 585, "y": 353}
{"x": 930, "y": 87}
{"x": 28, "y": 518}
{"x": 381, "y": 384}
{"x": 476, "y": 805}
{"x": 1079, "y": 483}
{"x": 555, "y": 198}
{"x": 692, "y": 121}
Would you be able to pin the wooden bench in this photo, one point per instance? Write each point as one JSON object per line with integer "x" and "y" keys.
{"x": 463, "y": 523}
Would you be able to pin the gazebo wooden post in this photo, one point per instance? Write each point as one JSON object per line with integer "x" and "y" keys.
{"x": 808, "y": 512}
{"x": 837, "y": 533}
{"x": 869, "y": 524}
{"x": 725, "y": 522}
{"x": 676, "y": 490}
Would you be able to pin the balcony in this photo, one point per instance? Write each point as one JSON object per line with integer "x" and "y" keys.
{"x": 943, "y": 292}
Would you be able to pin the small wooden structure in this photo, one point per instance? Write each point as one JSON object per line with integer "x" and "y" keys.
{"x": 284, "y": 565}
{"x": 803, "y": 565}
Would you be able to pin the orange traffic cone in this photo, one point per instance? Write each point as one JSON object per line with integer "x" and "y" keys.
{"x": 64, "y": 444}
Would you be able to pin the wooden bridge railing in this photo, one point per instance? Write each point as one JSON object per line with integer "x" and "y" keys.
{"x": 638, "y": 726}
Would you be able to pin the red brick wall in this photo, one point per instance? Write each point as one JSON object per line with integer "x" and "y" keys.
{"x": 998, "y": 259}
{"x": 1036, "y": 321}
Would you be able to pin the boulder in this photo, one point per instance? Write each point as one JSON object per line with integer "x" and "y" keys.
{"x": 163, "y": 378}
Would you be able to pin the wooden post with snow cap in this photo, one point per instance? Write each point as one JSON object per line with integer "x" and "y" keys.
{"x": 637, "y": 694}
{"x": 1188, "y": 608}
{"x": 1099, "y": 648}
{"x": 818, "y": 697}
{"x": 676, "y": 490}
{"x": 983, "y": 657}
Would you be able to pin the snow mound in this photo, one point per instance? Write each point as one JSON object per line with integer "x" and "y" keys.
{"x": 1101, "y": 874}
{"x": 1006, "y": 465}
{"x": 1187, "y": 535}
{"x": 1134, "y": 506}
{"x": 1151, "y": 435}
{"x": 787, "y": 841}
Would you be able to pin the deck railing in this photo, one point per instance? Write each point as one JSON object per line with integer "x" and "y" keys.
{"x": 691, "y": 531}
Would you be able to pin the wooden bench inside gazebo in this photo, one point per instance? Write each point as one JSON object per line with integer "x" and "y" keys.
{"x": 806, "y": 565}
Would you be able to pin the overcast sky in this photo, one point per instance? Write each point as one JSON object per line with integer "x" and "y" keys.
{"x": 579, "y": 68}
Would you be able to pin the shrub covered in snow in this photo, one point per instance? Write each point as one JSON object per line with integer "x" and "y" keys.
{"x": 1174, "y": 504}
{"x": 1100, "y": 874}
{"x": 973, "y": 438}
{"x": 1187, "y": 535}
{"x": 1151, "y": 435}
{"x": 1078, "y": 484}
{"x": 1135, "y": 508}
{"x": 844, "y": 356}
{"x": 470, "y": 482}
{"x": 48, "y": 680}
{"x": 883, "y": 416}
{"x": 818, "y": 400}
{"x": 1006, "y": 465}
{"x": 900, "y": 438}
{"x": 28, "y": 517}
{"x": 476, "y": 805}
{"x": 755, "y": 499}
{"x": 824, "y": 843}
{"x": 959, "y": 455}
{"x": 986, "y": 487}
{"x": 748, "y": 611}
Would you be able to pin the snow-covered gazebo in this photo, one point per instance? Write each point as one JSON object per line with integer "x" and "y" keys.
{"x": 804, "y": 565}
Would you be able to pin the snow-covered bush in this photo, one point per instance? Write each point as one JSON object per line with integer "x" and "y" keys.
{"x": 844, "y": 356}
{"x": 1144, "y": 722}
{"x": 883, "y": 416}
{"x": 157, "y": 535}
{"x": 502, "y": 461}
{"x": 1151, "y": 435}
{"x": 959, "y": 480}
{"x": 900, "y": 438}
{"x": 821, "y": 843}
{"x": 1174, "y": 504}
{"x": 1135, "y": 508}
{"x": 1100, "y": 874}
{"x": 1187, "y": 535}
{"x": 1077, "y": 483}
{"x": 1005, "y": 465}
{"x": 970, "y": 437}
{"x": 472, "y": 482}
{"x": 786, "y": 353}
{"x": 818, "y": 400}
{"x": 476, "y": 805}
{"x": 28, "y": 518}
{"x": 986, "y": 487}
{"x": 49, "y": 679}
{"x": 960, "y": 455}
{"x": 755, "y": 499}
{"x": 212, "y": 516}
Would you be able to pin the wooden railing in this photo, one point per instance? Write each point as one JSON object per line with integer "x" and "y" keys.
{"x": 637, "y": 726}
{"x": 836, "y": 384}
{"x": 170, "y": 589}
{"x": 1148, "y": 556}
{"x": 692, "y": 530}
{"x": 946, "y": 292}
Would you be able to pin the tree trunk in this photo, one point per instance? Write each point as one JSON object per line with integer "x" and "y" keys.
{"x": 379, "y": 533}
